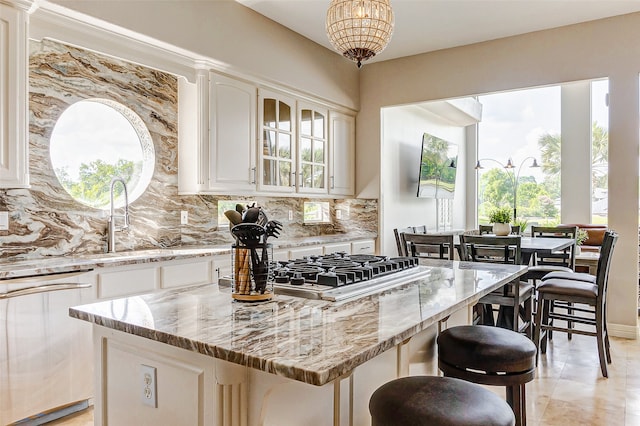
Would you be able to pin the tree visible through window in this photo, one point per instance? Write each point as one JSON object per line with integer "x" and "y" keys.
{"x": 520, "y": 126}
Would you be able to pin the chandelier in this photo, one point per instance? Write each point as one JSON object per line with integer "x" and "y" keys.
{"x": 359, "y": 29}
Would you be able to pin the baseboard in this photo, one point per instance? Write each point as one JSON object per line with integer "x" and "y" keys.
{"x": 623, "y": 331}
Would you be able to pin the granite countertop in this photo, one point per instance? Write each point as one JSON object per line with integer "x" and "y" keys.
{"x": 10, "y": 269}
{"x": 312, "y": 341}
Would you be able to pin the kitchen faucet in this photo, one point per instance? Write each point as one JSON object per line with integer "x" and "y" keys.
{"x": 111, "y": 237}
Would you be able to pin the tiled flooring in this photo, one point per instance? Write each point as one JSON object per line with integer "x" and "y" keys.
{"x": 568, "y": 389}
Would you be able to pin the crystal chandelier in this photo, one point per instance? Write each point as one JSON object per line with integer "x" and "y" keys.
{"x": 359, "y": 29}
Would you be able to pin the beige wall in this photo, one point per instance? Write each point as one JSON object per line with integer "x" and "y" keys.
{"x": 237, "y": 36}
{"x": 604, "y": 48}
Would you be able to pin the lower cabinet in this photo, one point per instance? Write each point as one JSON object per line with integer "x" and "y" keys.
{"x": 143, "y": 278}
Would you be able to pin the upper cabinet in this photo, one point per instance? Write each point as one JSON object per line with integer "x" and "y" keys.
{"x": 246, "y": 140}
{"x": 277, "y": 145}
{"x": 342, "y": 131}
{"x": 14, "y": 170}
{"x": 232, "y": 133}
{"x": 313, "y": 156}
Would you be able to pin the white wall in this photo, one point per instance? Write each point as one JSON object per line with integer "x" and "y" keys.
{"x": 576, "y": 153}
{"x": 403, "y": 127}
{"x": 604, "y": 48}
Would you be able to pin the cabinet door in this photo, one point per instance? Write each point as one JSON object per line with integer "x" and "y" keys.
{"x": 342, "y": 132}
{"x": 312, "y": 149}
{"x": 13, "y": 98}
{"x": 277, "y": 148}
{"x": 232, "y": 162}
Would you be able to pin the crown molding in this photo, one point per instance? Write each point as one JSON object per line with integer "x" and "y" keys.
{"x": 55, "y": 22}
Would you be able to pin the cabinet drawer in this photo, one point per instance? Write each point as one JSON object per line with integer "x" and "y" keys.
{"x": 334, "y": 248}
{"x": 363, "y": 247}
{"x": 307, "y": 251}
{"x": 122, "y": 283}
{"x": 185, "y": 274}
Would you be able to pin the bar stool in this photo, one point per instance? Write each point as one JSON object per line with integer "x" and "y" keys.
{"x": 433, "y": 401}
{"x": 490, "y": 356}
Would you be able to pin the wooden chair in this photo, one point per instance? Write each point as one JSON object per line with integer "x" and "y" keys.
{"x": 402, "y": 248}
{"x": 514, "y": 299}
{"x": 578, "y": 293}
{"x": 564, "y": 260}
{"x": 488, "y": 229}
{"x": 429, "y": 245}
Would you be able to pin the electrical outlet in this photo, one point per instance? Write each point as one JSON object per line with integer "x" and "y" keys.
{"x": 184, "y": 217}
{"x": 290, "y": 214}
{"x": 338, "y": 214}
{"x": 148, "y": 379}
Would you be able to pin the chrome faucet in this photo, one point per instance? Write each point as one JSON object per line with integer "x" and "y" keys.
{"x": 111, "y": 237}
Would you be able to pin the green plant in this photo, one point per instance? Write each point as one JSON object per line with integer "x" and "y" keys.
{"x": 500, "y": 215}
{"x": 522, "y": 223}
{"x": 581, "y": 236}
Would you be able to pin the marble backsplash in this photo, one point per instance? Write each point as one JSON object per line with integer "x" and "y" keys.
{"x": 45, "y": 221}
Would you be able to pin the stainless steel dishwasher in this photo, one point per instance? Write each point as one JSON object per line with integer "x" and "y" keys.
{"x": 46, "y": 368}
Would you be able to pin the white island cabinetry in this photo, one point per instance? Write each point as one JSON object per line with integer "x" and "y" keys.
{"x": 290, "y": 361}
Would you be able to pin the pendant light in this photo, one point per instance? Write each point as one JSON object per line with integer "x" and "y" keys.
{"x": 359, "y": 29}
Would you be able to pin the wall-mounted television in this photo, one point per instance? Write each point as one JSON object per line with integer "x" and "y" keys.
{"x": 438, "y": 164}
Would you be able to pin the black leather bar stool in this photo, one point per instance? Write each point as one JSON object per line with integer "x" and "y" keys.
{"x": 490, "y": 356}
{"x": 437, "y": 401}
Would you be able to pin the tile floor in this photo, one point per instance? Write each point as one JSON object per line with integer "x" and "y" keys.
{"x": 568, "y": 388}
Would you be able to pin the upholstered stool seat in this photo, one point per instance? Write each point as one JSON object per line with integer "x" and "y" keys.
{"x": 490, "y": 356}
{"x": 577, "y": 276}
{"x": 434, "y": 401}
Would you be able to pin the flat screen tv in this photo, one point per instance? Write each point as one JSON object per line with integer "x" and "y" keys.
{"x": 438, "y": 163}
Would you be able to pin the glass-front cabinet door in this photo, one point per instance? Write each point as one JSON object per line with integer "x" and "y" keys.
{"x": 277, "y": 142}
{"x": 312, "y": 149}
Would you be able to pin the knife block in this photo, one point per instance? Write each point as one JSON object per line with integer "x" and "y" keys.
{"x": 252, "y": 279}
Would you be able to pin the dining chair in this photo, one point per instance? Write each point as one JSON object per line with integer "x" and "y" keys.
{"x": 429, "y": 245}
{"x": 402, "y": 248}
{"x": 563, "y": 260}
{"x": 488, "y": 229}
{"x": 514, "y": 300}
{"x": 589, "y": 305}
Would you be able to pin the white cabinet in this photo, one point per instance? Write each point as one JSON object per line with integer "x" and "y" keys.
{"x": 337, "y": 247}
{"x": 299, "y": 253}
{"x": 120, "y": 281}
{"x": 216, "y": 135}
{"x": 277, "y": 151}
{"x": 14, "y": 171}
{"x": 363, "y": 247}
{"x": 342, "y": 139}
{"x": 232, "y": 156}
{"x": 311, "y": 174}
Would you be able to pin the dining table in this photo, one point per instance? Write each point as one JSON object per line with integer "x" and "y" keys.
{"x": 530, "y": 246}
{"x": 543, "y": 246}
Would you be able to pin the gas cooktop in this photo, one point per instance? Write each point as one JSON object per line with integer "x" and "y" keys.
{"x": 339, "y": 276}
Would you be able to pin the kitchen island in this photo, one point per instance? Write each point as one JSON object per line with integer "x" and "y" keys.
{"x": 288, "y": 361}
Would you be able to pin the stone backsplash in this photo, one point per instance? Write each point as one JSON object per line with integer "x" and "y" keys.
{"x": 46, "y": 221}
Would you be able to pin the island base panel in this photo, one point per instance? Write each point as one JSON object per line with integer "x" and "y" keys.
{"x": 196, "y": 389}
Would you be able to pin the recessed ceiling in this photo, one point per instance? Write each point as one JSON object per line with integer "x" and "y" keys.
{"x": 427, "y": 25}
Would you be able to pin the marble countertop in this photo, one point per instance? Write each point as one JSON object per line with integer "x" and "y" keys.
{"x": 312, "y": 341}
{"x": 11, "y": 269}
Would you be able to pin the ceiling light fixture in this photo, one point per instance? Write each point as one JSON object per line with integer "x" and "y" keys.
{"x": 359, "y": 29}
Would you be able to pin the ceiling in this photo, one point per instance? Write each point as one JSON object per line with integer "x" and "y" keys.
{"x": 427, "y": 25}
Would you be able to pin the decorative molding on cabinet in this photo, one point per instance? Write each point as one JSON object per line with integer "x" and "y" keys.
{"x": 342, "y": 154}
{"x": 14, "y": 169}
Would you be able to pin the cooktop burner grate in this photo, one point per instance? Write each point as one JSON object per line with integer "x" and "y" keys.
{"x": 339, "y": 269}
